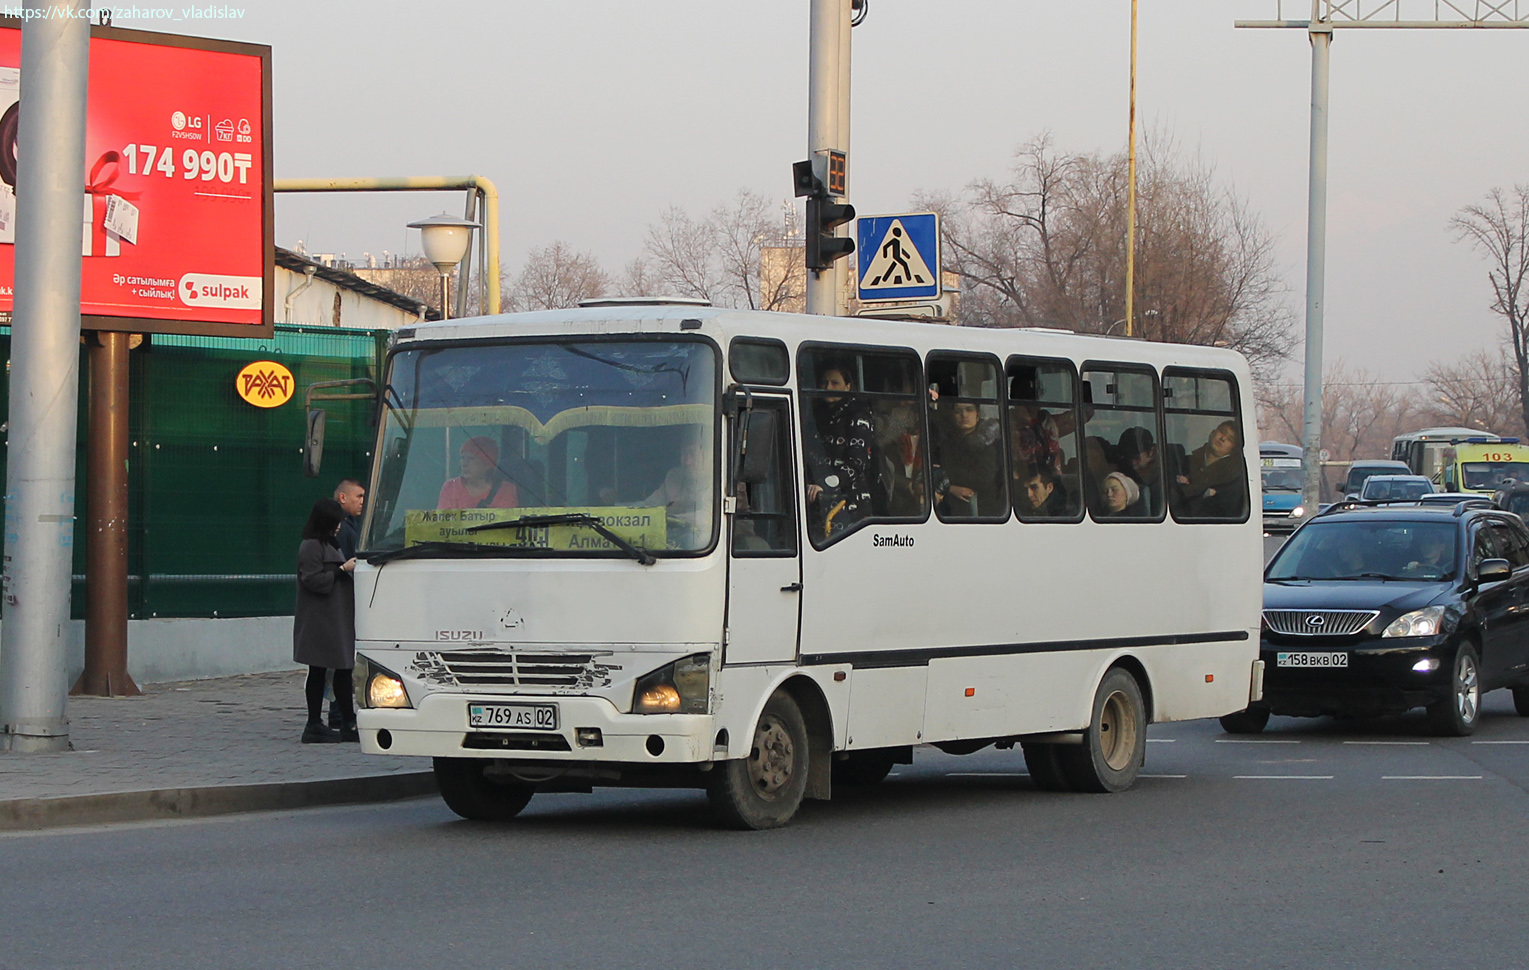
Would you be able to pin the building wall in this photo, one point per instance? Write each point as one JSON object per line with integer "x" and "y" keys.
{"x": 320, "y": 303}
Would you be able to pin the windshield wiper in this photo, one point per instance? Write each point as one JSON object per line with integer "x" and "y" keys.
{"x": 422, "y": 548}
{"x": 1384, "y": 577}
{"x": 571, "y": 518}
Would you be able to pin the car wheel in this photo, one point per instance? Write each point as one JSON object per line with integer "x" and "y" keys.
{"x": 1521, "y": 701}
{"x": 764, "y": 790}
{"x": 474, "y": 792}
{"x": 1455, "y": 716}
{"x": 1250, "y": 721}
{"x": 1045, "y": 765}
{"x": 1116, "y": 739}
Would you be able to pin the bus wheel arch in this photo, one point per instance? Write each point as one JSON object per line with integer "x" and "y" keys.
{"x": 1138, "y": 670}
{"x": 820, "y": 734}
{"x": 764, "y": 789}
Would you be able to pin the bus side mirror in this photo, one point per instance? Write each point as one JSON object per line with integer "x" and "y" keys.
{"x": 313, "y": 445}
{"x": 757, "y": 446}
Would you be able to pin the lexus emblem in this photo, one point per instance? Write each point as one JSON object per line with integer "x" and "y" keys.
{"x": 1315, "y": 619}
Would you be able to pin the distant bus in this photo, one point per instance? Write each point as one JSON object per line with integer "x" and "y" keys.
{"x": 1282, "y": 478}
{"x": 1424, "y": 451}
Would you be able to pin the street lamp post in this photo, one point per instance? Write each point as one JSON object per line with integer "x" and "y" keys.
{"x": 445, "y": 240}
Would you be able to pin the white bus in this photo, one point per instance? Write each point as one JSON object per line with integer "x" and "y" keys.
{"x": 763, "y": 553}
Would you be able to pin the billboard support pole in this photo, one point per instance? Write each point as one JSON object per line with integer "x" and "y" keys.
{"x": 105, "y": 673}
{"x": 45, "y": 375}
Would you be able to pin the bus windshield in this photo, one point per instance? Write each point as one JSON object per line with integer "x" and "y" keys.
{"x": 1282, "y": 475}
{"x": 619, "y": 434}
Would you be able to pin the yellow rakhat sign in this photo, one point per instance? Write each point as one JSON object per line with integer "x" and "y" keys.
{"x": 644, "y": 528}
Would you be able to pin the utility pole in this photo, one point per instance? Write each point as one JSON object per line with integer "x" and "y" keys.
{"x": 827, "y": 155}
{"x": 1326, "y": 16}
{"x": 45, "y": 354}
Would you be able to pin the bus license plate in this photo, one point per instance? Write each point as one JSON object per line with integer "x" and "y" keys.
{"x": 1310, "y": 659}
{"x": 519, "y": 717}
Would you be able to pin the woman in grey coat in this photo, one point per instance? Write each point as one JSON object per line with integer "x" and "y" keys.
{"x": 324, "y": 624}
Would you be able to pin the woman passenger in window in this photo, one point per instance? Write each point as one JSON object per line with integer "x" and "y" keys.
{"x": 1213, "y": 479}
{"x": 480, "y": 486}
{"x": 839, "y": 460}
{"x": 1137, "y": 454}
{"x": 1121, "y": 496}
{"x": 970, "y": 461}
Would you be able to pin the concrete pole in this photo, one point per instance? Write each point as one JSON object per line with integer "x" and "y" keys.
{"x": 1316, "y": 264}
{"x": 45, "y": 375}
{"x": 844, "y": 269}
{"x": 830, "y": 18}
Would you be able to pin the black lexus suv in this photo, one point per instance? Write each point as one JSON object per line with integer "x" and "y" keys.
{"x": 1378, "y": 608}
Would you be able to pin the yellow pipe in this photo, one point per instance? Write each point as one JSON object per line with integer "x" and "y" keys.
{"x": 426, "y": 183}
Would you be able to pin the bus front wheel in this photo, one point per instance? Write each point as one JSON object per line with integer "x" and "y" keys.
{"x": 1116, "y": 740}
{"x": 475, "y": 793}
{"x": 764, "y": 790}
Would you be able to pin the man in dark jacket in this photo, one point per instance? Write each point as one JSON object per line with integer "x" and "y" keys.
{"x": 839, "y": 463}
{"x": 351, "y": 495}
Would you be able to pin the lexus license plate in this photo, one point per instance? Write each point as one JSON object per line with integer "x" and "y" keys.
{"x": 516, "y": 717}
{"x": 1308, "y": 658}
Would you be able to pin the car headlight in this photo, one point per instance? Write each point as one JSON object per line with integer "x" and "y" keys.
{"x": 1419, "y": 623}
{"x": 683, "y": 687}
{"x": 1298, "y": 511}
{"x": 376, "y": 686}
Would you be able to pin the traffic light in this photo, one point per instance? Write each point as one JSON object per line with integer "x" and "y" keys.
{"x": 823, "y": 217}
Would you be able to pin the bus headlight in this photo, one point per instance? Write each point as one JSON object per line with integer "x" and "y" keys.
{"x": 682, "y": 687}
{"x": 1298, "y": 511}
{"x": 377, "y": 686}
{"x": 1419, "y": 623}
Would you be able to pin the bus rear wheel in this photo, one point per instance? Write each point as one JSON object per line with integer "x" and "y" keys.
{"x": 1116, "y": 739}
{"x": 764, "y": 790}
{"x": 1044, "y": 762}
{"x": 861, "y": 768}
{"x": 475, "y": 793}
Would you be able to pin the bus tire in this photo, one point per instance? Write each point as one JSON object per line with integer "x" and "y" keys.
{"x": 474, "y": 794}
{"x": 1521, "y": 701}
{"x": 1116, "y": 739}
{"x": 863, "y": 768}
{"x": 1251, "y": 721}
{"x": 1045, "y": 765}
{"x": 764, "y": 790}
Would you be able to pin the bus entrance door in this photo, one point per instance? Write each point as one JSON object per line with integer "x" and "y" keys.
{"x": 765, "y": 568}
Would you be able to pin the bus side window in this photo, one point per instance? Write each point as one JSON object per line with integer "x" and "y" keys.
{"x": 1043, "y": 440}
{"x": 964, "y": 423}
{"x": 1123, "y": 478}
{"x": 863, "y": 438}
{"x": 1205, "y": 444}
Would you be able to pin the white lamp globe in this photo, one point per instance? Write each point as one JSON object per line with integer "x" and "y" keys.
{"x": 444, "y": 239}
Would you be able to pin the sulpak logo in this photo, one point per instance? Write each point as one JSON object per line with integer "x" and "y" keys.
{"x": 225, "y": 292}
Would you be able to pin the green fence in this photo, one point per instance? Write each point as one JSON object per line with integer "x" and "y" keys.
{"x": 217, "y": 496}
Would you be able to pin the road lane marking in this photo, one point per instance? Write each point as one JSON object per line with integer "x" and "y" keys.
{"x": 1162, "y": 776}
{"x": 1161, "y": 740}
{"x": 1252, "y": 741}
{"x": 1430, "y": 777}
{"x": 1283, "y": 777}
{"x": 1500, "y": 742}
{"x": 1385, "y": 742}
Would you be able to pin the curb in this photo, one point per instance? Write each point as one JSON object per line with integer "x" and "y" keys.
{"x": 22, "y": 814}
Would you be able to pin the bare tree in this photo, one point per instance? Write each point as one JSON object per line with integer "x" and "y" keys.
{"x": 1499, "y": 230}
{"x": 556, "y": 276}
{"x": 718, "y": 258}
{"x": 1046, "y": 247}
{"x": 1480, "y": 390}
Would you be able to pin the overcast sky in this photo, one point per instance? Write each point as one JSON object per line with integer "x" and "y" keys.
{"x": 592, "y": 116}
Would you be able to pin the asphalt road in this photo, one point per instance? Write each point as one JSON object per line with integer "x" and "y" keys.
{"x": 1317, "y": 844}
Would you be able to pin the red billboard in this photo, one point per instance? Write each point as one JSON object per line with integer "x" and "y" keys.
{"x": 176, "y": 209}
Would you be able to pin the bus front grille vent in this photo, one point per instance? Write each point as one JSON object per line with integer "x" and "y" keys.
{"x": 500, "y": 668}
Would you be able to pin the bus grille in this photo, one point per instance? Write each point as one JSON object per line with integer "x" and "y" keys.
{"x": 1319, "y": 623}
{"x": 540, "y": 672}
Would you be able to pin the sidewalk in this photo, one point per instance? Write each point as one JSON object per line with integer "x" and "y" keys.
{"x": 202, "y": 747}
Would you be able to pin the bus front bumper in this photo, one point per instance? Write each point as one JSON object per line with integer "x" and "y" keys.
{"x": 588, "y": 729}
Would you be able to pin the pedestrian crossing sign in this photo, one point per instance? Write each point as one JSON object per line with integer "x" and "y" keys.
{"x": 898, "y": 256}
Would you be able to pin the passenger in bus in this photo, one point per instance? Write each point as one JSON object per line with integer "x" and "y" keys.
{"x": 1035, "y": 437}
{"x": 481, "y": 484}
{"x": 839, "y": 454}
{"x": 1212, "y": 483}
{"x": 1039, "y": 491}
{"x": 1136, "y": 455}
{"x": 900, "y": 457}
{"x": 1121, "y": 496}
{"x": 969, "y": 459}
{"x": 684, "y": 489}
